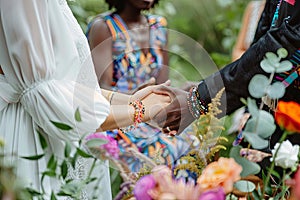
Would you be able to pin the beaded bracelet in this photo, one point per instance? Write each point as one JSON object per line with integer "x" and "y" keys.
{"x": 139, "y": 113}
{"x": 196, "y": 106}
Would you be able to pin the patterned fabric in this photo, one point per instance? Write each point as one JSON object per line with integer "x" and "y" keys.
{"x": 132, "y": 68}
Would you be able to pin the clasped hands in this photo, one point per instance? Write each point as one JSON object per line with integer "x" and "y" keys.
{"x": 166, "y": 107}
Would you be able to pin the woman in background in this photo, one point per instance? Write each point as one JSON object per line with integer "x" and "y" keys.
{"x": 129, "y": 49}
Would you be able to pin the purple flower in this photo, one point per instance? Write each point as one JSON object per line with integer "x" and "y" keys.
{"x": 218, "y": 194}
{"x": 110, "y": 149}
{"x": 142, "y": 187}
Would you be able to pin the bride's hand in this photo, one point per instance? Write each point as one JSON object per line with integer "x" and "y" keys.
{"x": 143, "y": 93}
{"x": 154, "y": 103}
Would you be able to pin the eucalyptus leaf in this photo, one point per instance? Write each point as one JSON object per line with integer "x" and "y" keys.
{"x": 276, "y": 90}
{"x": 267, "y": 66}
{"x": 53, "y": 197}
{"x": 258, "y": 85}
{"x": 252, "y": 107}
{"x": 255, "y": 140}
{"x": 244, "y": 186}
{"x": 95, "y": 143}
{"x": 263, "y": 124}
{"x": 282, "y": 52}
{"x": 272, "y": 57}
{"x": 249, "y": 168}
{"x": 49, "y": 173}
{"x": 284, "y": 66}
{"x": 62, "y": 126}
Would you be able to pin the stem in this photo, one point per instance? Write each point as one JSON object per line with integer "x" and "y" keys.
{"x": 92, "y": 168}
{"x": 283, "y": 184}
{"x": 266, "y": 182}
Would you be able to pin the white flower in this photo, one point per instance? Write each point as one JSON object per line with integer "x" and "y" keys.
{"x": 287, "y": 155}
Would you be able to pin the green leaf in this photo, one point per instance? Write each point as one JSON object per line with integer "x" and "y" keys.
{"x": 33, "y": 192}
{"x": 64, "y": 169}
{"x": 53, "y": 197}
{"x": 95, "y": 143}
{"x": 284, "y": 66}
{"x": 67, "y": 149}
{"x": 62, "y": 126}
{"x": 276, "y": 90}
{"x": 36, "y": 157}
{"x": 83, "y": 154}
{"x": 249, "y": 168}
{"x": 49, "y": 173}
{"x": 77, "y": 115}
{"x": 255, "y": 140}
{"x": 258, "y": 85}
{"x": 74, "y": 159}
{"x": 282, "y": 52}
{"x": 253, "y": 109}
{"x": 267, "y": 66}
{"x": 244, "y": 186}
{"x": 263, "y": 124}
{"x": 42, "y": 140}
{"x": 52, "y": 163}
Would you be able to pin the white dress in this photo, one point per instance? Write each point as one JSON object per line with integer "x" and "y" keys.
{"x": 48, "y": 74}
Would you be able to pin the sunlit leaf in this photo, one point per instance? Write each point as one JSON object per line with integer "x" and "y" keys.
{"x": 52, "y": 163}
{"x": 282, "y": 52}
{"x": 67, "y": 149}
{"x": 77, "y": 115}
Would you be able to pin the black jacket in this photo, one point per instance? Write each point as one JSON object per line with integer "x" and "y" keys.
{"x": 236, "y": 76}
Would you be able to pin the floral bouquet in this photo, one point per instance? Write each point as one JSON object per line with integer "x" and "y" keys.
{"x": 203, "y": 175}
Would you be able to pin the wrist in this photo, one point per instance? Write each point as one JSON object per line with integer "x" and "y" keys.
{"x": 197, "y": 107}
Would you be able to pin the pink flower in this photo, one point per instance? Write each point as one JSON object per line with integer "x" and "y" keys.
{"x": 110, "y": 149}
{"x": 213, "y": 195}
{"x": 143, "y": 186}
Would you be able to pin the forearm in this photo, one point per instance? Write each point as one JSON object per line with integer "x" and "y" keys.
{"x": 116, "y": 98}
{"x": 236, "y": 76}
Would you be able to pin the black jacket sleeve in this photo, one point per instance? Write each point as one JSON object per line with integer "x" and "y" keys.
{"x": 236, "y": 76}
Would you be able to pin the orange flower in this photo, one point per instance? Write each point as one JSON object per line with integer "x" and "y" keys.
{"x": 287, "y": 116}
{"x": 222, "y": 173}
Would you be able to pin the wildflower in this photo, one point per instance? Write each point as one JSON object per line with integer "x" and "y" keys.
{"x": 143, "y": 186}
{"x": 213, "y": 195}
{"x": 287, "y": 155}
{"x": 110, "y": 149}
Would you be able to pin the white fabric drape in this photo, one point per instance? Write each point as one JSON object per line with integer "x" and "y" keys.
{"x": 43, "y": 63}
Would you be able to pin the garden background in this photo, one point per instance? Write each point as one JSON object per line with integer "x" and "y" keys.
{"x": 211, "y": 24}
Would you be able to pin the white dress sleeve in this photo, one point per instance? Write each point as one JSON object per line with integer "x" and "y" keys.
{"x": 41, "y": 67}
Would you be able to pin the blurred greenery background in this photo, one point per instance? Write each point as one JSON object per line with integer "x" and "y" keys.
{"x": 212, "y": 24}
{"x": 201, "y": 38}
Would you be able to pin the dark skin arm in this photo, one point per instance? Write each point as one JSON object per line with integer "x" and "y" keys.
{"x": 101, "y": 46}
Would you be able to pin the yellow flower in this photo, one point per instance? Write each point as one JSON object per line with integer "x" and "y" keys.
{"x": 287, "y": 116}
{"x": 222, "y": 173}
